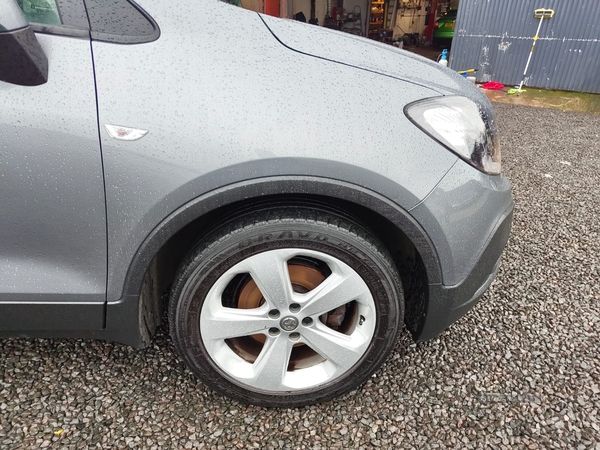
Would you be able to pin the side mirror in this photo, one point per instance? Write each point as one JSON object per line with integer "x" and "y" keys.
{"x": 22, "y": 59}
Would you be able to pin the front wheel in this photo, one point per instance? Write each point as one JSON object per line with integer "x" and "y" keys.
{"x": 286, "y": 307}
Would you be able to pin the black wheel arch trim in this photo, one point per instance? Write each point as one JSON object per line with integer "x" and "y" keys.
{"x": 123, "y": 316}
{"x": 260, "y": 187}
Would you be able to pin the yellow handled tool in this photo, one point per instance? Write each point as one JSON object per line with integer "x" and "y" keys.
{"x": 540, "y": 13}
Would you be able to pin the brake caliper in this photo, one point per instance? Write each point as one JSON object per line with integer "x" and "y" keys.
{"x": 335, "y": 317}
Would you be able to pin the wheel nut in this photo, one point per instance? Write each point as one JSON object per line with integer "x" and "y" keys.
{"x": 273, "y": 331}
{"x": 294, "y": 307}
{"x": 274, "y": 314}
{"x": 307, "y": 321}
{"x": 294, "y": 336}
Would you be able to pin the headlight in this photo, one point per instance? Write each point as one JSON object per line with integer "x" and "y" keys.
{"x": 459, "y": 124}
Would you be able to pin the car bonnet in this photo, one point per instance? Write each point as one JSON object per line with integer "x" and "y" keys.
{"x": 368, "y": 55}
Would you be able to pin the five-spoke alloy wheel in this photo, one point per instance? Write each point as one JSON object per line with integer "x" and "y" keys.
{"x": 286, "y": 307}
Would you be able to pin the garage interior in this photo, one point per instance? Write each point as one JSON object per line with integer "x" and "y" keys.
{"x": 408, "y": 24}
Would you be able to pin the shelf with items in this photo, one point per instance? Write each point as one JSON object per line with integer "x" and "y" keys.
{"x": 377, "y": 18}
{"x": 351, "y": 22}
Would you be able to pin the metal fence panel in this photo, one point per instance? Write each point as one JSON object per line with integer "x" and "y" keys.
{"x": 495, "y": 36}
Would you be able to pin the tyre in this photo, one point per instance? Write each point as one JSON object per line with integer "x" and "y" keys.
{"x": 286, "y": 307}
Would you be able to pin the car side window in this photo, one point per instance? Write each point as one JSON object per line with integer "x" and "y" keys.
{"x": 120, "y": 21}
{"x": 41, "y": 11}
{"x": 62, "y": 17}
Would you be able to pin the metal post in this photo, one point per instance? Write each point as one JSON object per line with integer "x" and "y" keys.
{"x": 433, "y": 4}
{"x": 285, "y": 8}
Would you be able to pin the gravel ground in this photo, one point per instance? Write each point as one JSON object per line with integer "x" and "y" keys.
{"x": 522, "y": 370}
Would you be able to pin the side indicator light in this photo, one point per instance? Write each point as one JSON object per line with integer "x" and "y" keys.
{"x": 125, "y": 133}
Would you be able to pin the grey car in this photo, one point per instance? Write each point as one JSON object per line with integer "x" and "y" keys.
{"x": 300, "y": 194}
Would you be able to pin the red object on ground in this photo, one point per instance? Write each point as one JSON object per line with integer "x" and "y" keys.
{"x": 493, "y": 85}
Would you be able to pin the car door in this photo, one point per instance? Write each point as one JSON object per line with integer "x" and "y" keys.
{"x": 53, "y": 245}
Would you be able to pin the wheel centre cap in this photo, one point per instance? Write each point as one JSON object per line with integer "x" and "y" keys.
{"x": 289, "y": 323}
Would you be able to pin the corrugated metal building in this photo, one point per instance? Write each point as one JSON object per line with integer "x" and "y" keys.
{"x": 495, "y": 36}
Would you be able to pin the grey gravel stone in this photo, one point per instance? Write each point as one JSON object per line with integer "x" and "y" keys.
{"x": 520, "y": 371}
